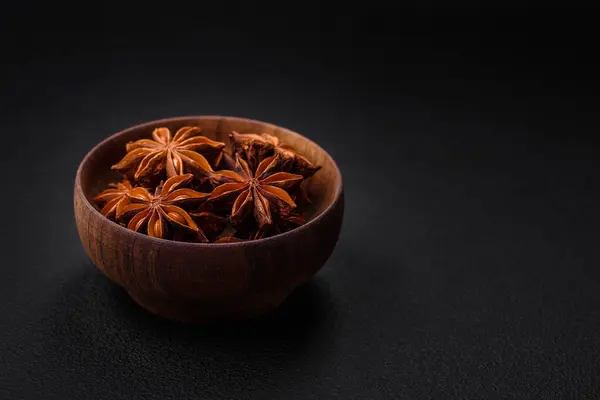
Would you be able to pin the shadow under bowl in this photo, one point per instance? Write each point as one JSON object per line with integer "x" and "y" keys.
{"x": 208, "y": 282}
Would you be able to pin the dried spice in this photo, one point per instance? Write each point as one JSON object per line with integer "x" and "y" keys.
{"x": 114, "y": 199}
{"x": 158, "y": 212}
{"x": 166, "y": 153}
{"x": 252, "y": 147}
{"x": 191, "y": 188}
{"x": 228, "y": 239}
{"x": 212, "y": 224}
{"x": 257, "y": 193}
{"x": 256, "y": 147}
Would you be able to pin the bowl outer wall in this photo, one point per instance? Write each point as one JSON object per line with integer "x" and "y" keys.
{"x": 193, "y": 281}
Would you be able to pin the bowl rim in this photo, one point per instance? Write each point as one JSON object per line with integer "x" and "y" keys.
{"x": 315, "y": 220}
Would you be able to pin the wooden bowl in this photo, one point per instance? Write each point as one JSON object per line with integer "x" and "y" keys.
{"x": 196, "y": 282}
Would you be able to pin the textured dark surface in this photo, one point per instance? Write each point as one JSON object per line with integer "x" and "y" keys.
{"x": 467, "y": 266}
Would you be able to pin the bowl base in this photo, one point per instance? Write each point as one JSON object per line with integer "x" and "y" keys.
{"x": 190, "y": 314}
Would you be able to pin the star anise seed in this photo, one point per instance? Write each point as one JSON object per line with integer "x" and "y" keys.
{"x": 251, "y": 147}
{"x": 256, "y": 193}
{"x": 228, "y": 239}
{"x": 174, "y": 155}
{"x": 211, "y": 224}
{"x": 165, "y": 208}
{"x": 255, "y": 147}
{"x": 114, "y": 199}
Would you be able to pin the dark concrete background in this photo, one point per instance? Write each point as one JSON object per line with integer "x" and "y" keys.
{"x": 468, "y": 262}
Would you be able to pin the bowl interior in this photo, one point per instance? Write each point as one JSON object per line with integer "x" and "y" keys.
{"x": 323, "y": 187}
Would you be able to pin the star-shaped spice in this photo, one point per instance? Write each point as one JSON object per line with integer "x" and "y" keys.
{"x": 288, "y": 222}
{"x": 157, "y": 213}
{"x": 174, "y": 155}
{"x": 212, "y": 224}
{"x": 255, "y": 147}
{"x": 228, "y": 239}
{"x": 252, "y": 147}
{"x": 257, "y": 193}
{"x": 114, "y": 199}
{"x": 282, "y": 222}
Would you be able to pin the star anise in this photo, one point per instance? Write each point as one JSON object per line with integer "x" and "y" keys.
{"x": 257, "y": 187}
{"x": 288, "y": 222}
{"x": 256, "y": 147}
{"x": 212, "y": 224}
{"x": 228, "y": 239}
{"x": 257, "y": 193}
{"x": 157, "y": 213}
{"x": 252, "y": 147}
{"x": 283, "y": 222}
{"x": 114, "y": 199}
{"x": 174, "y": 155}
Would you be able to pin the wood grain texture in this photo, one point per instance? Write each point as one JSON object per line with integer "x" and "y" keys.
{"x": 200, "y": 283}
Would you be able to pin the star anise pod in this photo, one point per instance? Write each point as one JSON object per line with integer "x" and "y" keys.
{"x": 163, "y": 210}
{"x": 251, "y": 147}
{"x": 285, "y": 222}
{"x": 295, "y": 162}
{"x": 174, "y": 155}
{"x": 255, "y": 147}
{"x": 211, "y": 224}
{"x": 288, "y": 222}
{"x": 256, "y": 193}
{"x": 228, "y": 239}
{"x": 114, "y": 199}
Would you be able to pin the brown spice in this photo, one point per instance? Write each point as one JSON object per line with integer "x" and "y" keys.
{"x": 251, "y": 198}
{"x": 114, "y": 199}
{"x": 256, "y": 147}
{"x": 257, "y": 193}
{"x": 157, "y": 213}
{"x": 164, "y": 153}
